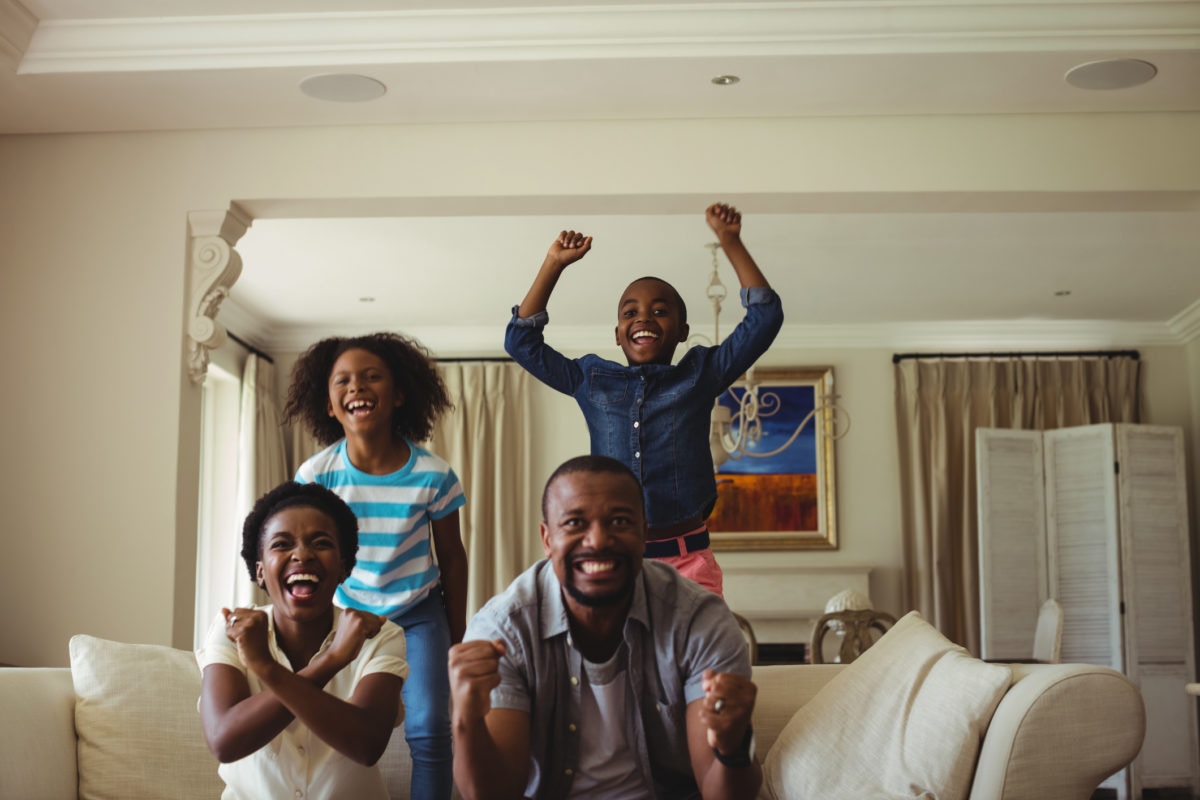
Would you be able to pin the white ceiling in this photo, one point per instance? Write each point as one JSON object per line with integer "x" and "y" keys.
{"x": 985, "y": 278}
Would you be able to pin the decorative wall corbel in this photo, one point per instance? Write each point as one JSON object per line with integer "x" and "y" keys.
{"x": 213, "y": 266}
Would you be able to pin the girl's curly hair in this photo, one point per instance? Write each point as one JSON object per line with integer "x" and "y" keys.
{"x": 412, "y": 367}
{"x": 289, "y": 495}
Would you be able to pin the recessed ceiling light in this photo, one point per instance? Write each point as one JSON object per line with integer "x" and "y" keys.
{"x": 1113, "y": 73}
{"x": 726, "y": 80}
{"x": 343, "y": 88}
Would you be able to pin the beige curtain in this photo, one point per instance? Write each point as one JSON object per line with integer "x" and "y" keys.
{"x": 939, "y": 404}
{"x": 303, "y": 447}
{"x": 487, "y": 441}
{"x": 261, "y": 458}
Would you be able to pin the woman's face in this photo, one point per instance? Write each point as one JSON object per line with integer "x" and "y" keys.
{"x": 300, "y": 561}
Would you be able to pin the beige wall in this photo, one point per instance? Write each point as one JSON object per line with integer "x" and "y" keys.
{"x": 102, "y": 424}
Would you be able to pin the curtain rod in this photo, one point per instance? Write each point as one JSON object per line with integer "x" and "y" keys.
{"x": 250, "y": 347}
{"x": 898, "y": 357}
{"x": 488, "y": 360}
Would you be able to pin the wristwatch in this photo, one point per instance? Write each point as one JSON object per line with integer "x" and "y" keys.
{"x": 743, "y": 756}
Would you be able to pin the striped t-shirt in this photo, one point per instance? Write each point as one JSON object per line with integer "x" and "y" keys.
{"x": 395, "y": 568}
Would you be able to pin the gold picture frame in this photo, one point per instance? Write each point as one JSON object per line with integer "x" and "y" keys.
{"x": 787, "y": 501}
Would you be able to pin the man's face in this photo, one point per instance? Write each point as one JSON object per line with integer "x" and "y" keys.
{"x": 649, "y": 322}
{"x": 594, "y": 535}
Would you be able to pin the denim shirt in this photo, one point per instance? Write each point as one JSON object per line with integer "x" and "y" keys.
{"x": 654, "y": 418}
{"x": 674, "y": 632}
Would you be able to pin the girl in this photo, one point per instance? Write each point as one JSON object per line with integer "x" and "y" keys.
{"x": 371, "y": 399}
{"x": 299, "y": 696}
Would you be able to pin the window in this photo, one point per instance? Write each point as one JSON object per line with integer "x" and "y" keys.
{"x": 218, "y": 559}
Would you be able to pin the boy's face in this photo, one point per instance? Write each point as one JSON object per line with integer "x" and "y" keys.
{"x": 300, "y": 561}
{"x": 649, "y": 323}
{"x": 362, "y": 392}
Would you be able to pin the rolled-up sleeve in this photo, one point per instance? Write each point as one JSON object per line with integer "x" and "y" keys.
{"x": 513, "y": 691}
{"x": 752, "y": 336}
{"x": 525, "y": 343}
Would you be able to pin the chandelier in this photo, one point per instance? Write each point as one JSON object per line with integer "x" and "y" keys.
{"x": 734, "y": 433}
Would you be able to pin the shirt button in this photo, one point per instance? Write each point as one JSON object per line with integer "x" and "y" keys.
{"x": 570, "y": 641}
{"x": 574, "y": 681}
{"x": 571, "y": 727}
{"x": 569, "y": 772}
{"x": 658, "y": 707}
{"x": 636, "y": 424}
{"x": 299, "y": 793}
{"x": 638, "y": 454}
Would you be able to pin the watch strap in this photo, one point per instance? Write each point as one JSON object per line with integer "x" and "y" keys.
{"x": 743, "y": 756}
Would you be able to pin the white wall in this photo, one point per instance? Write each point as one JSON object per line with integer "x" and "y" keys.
{"x": 101, "y": 423}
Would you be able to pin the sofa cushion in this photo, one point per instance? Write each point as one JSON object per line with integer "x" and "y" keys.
{"x": 904, "y": 720}
{"x": 137, "y": 722}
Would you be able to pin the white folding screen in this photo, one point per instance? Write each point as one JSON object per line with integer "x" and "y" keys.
{"x": 1081, "y": 539}
{"x": 1013, "y": 575}
{"x": 1096, "y": 517}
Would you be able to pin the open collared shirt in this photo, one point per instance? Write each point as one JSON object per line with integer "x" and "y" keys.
{"x": 675, "y": 630}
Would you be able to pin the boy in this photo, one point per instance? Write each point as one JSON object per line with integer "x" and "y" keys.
{"x": 651, "y": 415}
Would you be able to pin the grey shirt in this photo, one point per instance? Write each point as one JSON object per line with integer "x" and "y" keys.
{"x": 674, "y": 632}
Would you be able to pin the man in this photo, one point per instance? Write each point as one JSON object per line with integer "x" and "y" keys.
{"x": 597, "y": 675}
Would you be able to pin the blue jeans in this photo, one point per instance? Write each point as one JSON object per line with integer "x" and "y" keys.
{"x": 426, "y": 696}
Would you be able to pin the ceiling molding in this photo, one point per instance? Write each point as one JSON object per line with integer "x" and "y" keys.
{"x": 695, "y": 30}
{"x": 17, "y": 25}
{"x": 485, "y": 341}
{"x": 845, "y": 202}
{"x": 245, "y": 325}
{"x": 1186, "y": 324}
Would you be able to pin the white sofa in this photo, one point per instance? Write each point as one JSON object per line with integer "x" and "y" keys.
{"x": 133, "y": 731}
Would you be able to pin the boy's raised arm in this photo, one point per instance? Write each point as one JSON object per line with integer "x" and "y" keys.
{"x": 569, "y": 247}
{"x": 726, "y": 222}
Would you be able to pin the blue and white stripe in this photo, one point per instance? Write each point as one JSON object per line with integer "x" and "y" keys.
{"x": 395, "y": 568}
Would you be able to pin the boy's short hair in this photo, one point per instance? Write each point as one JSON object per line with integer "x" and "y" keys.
{"x": 413, "y": 369}
{"x": 674, "y": 294}
{"x": 595, "y": 464}
{"x": 291, "y": 495}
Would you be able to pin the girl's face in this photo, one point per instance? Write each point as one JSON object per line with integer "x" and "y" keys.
{"x": 363, "y": 392}
{"x": 300, "y": 562}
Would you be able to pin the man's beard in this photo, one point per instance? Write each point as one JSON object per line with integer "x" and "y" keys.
{"x": 614, "y": 598}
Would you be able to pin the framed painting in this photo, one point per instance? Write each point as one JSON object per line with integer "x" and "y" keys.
{"x": 776, "y": 497}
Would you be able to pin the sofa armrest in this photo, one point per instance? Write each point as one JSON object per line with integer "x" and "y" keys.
{"x": 37, "y": 736}
{"x": 782, "y": 690}
{"x": 1058, "y": 732}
